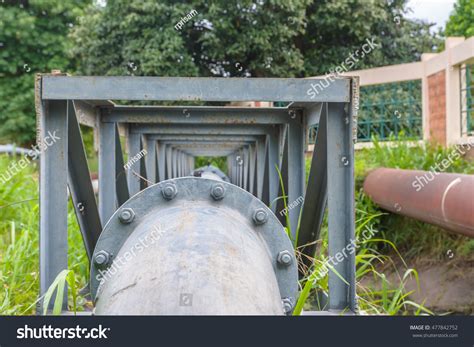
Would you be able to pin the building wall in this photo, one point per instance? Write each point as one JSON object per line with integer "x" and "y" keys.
{"x": 437, "y": 107}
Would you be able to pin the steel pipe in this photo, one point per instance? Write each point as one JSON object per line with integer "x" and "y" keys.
{"x": 210, "y": 172}
{"x": 442, "y": 199}
{"x": 194, "y": 246}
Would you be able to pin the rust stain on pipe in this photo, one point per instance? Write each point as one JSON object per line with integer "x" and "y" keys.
{"x": 443, "y": 199}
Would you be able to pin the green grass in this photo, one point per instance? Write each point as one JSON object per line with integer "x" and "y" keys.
{"x": 396, "y": 240}
{"x": 19, "y": 256}
{"x": 413, "y": 238}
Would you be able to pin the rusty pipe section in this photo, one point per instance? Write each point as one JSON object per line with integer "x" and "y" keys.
{"x": 443, "y": 199}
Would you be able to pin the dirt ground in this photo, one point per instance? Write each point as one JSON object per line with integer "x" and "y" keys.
{"x": 445, "y": 286}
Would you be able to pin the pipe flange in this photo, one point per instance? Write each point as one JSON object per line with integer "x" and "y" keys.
{"x": 197, "y": 190}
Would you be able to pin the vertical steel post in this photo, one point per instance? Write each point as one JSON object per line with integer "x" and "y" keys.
{"x": 133, "y": 163}
{"x": 107, "y": 160}
{"x": 245, "y": 167}
{"x": 252, "y": 155}
{"x": 161, "y": 154}
{"x": 296, "y": 170}
{"x": 261, "y": 161}
{"x": 150, "y": 159}
{"x": 273, "y": 164}
{"x": 169, "y": 165}
{"x": 53, "y": 193}
{"x": 341, "y": 217}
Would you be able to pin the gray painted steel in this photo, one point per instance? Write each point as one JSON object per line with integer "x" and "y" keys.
{"x": 192, "y": 88}
{"x": 53, "y": 194}
{"x": 256, "y": 141}
{"x": 210, "y": 171}
{"x": 341, "y": 206}
{"x": 315, "y": 200}
{"x": 80, "y": 185}
{"x": 121, "y": 185}
{"x": 231, "y": 270}
{"x": 107, "y": 167}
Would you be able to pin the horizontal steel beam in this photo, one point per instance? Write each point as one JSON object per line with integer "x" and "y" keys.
{"x": 215, "y": 129}
{"x": 209, "y": 152}
{"x": 248, "y": 116}
{"x": 216, "y": 138}
{"x": 194, "y": 88}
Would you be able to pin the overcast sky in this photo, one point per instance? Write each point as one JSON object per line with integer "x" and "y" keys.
{"x": 435, "y": 11}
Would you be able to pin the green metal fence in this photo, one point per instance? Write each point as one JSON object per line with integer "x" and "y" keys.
{"x": 388, "y": 110}
{"x": 467, "y": 100}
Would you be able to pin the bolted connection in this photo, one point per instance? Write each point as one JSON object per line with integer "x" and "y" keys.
{"x": 126, "y": 215}
{"x": 287, "y": 305}
{"x": 169, "y": 191}
{"x": 260, "y": 216}
{"x": 102, "y": 258}
{"x": 284, "y": 258}
{"x": 218, "y": 192}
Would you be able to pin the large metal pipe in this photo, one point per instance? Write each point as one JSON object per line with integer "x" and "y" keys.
{"x": 210, "y": 172}
{"x": 194, "y": 246}
{"x": 443, "y": 199}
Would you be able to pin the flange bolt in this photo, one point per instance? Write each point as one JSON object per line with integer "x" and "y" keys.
{"x": 126, "y": 215}
{"x": 285, "y": 258}
{"x": 287, "y": 305}
{"x": 101, "y": 259}
{"x": 169, "y": 191}
{"x": 218, "y": 192}
{"x": 260, "y": 216}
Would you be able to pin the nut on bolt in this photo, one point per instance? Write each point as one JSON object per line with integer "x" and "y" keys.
{"x": 218, "y": 191}
{"x": 169, "y": 191}
{"x": 287, "y": 305}
{"x": 285, "y": 258}
{"x": 260, "y": 216}
{"x": 102, "y": 258}
{"x": 126, "y": 215}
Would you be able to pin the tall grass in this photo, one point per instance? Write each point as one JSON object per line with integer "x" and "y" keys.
{"x": 413, "y": 238}
{"x": 19, "y": 255}
{"x": 395, "y": 236}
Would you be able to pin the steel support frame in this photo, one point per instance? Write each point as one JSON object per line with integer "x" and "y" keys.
{"x": 252, "y": 163}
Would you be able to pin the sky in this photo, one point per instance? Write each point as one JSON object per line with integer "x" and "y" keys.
{"x": 435, "y": 11}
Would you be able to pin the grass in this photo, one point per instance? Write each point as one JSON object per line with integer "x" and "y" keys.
{"x": 19, "y": 256}
{"x": 413, "y": 238}
{"x": 394, "y": 236}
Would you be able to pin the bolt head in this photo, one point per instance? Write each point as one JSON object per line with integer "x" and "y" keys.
{"x": 260, "y": 216}
{"x": 218, "y": 192}
{"x": 285, "y": 258}
{"x": 126, "y": 215}
{"x": 102, "y": 258}
{"x": 287, "y": 304}
{"x": 169, "y": 191}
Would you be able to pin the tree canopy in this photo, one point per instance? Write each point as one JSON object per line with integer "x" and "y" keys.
{"x": 33, "y": 38}
{"x": 246, "y": 38}
{"x": 461, "y": 21}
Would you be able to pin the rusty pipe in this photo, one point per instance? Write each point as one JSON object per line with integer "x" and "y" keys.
{"x": 442, "y": 199}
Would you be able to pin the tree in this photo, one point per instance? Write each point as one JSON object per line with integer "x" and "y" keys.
{"x": 244, "y": 38}
{"x": 461, "y": 21}
{"x": 33, "y": 38}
